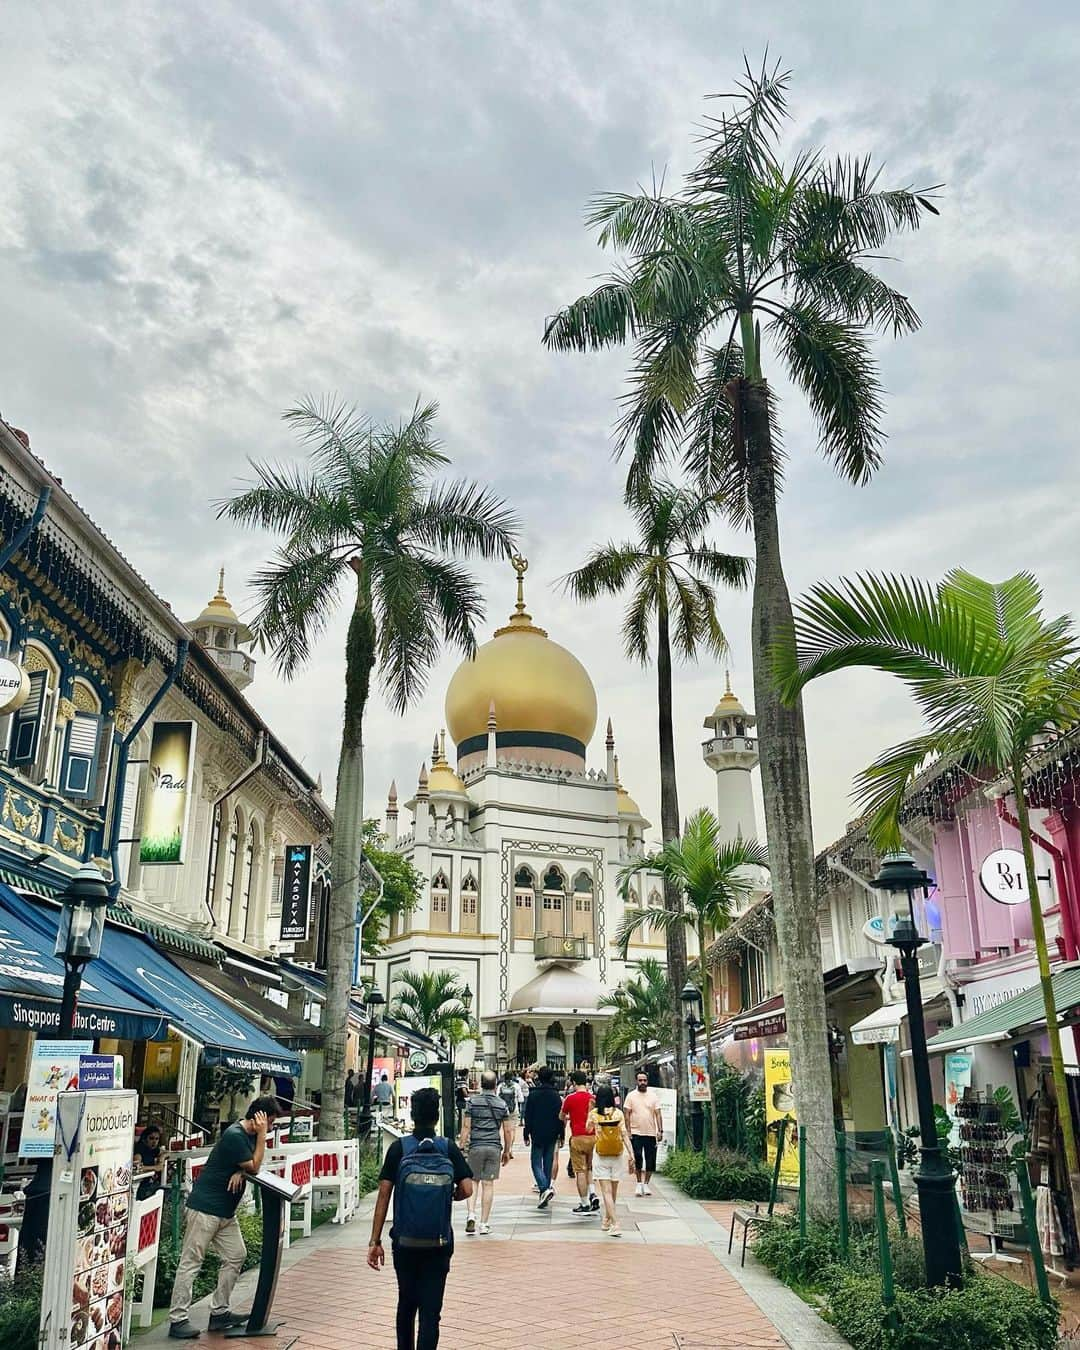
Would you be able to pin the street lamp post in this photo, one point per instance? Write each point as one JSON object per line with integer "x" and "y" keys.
{"x": 934, "y": 1180}
{"x": 373, "y": 1001}
{"x": 691, "y": 1001}
{"x": 78, "y": 940}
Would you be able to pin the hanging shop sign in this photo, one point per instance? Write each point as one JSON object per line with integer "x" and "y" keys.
{"x": 780, "y": 1105}
{"x": 100, "y": 1073}
{"x": 54, "y": 1068}
{"x": 700, "y": 1085}
{"x": 296, "y": 895}
{"x": 168, "y": 797}
{"x": 878, "y": 931}
{"x": 1003, "y": 878}
{"x": 86, "y": 1288}
{"x": 14, "y": 686}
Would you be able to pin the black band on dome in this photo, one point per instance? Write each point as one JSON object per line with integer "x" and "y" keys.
{"x": 523, "y": 740}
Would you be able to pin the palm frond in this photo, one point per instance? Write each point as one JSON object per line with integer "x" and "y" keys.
{"x": 608, "y": 569}
{"x": 604, "y": 318}
{"x": 295, "y": 596}
{"x": 464, "y": 518}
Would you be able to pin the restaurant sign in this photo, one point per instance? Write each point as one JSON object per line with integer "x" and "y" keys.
{"x": 768, "y": 1024}
{"x": 168, "y": 797}
{"x": 296, "y": 897}
{"x": 14, "y": 686}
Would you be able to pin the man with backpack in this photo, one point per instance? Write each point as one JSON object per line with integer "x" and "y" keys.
{"x": 486, "y": 1136}
{"x": 425, "y": 1173}
{"x": 543, "y": 1131}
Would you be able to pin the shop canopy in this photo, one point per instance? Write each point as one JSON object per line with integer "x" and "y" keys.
{"x": 283, "y": 1026}
{"x": 1023, "y": 1012}
{"x": 32, "y": 982}
{"x": 882, "y": 1026}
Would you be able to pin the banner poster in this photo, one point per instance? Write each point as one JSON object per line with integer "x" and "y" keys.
{"x": 668, "y": 1114}
{"x": 168, "y": 793}
{"x": 780, "y": 1105}
{"x": 403, "y": 1091}
{"x": 700, "y": 1087}
{"x": 296, "y": 894}
{"x": 957, "y": 1078}
{"x": 54, "y": 1068}
{"x": 85, "y": 1282}
{"x": 381, "y": 1064}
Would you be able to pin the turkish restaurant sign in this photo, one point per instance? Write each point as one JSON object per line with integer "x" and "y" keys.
{"x": 168, "y": 797}
{"x": 296, "y": 896}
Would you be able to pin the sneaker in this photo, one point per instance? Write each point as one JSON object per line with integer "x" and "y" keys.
{"x": 594, "y": 1203}
{"x": 224, "y": 1321}
{"x": 615, "y": 1231}
{"x": 545, "y": 1199}
{"x": 485, "y": 1229}
{"x": 645, "y": 1190}
{"x": 583, "y": 1208}
{"x": 183, "y": 1331}
{"x": 639, "y": 1189}
{"x": 470, "y": 1224}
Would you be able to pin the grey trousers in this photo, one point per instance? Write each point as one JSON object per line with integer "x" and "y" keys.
{"x": 204, "y": 1233}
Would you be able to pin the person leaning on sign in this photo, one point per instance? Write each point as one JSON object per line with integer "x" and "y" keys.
{"x": 211, "y": 1220}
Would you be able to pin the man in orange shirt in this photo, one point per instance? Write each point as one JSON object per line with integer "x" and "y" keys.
{"x": 576, "y": 1107}
{"x": 646, "y": 1125}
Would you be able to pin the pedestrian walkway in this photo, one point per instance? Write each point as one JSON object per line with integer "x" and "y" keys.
{"x": 550, "y": 1280}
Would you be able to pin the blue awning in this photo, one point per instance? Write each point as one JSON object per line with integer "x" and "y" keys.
{"x": 32, "y": 981}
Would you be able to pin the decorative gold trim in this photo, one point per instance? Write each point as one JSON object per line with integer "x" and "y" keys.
{"x": 73, "y": 842}
{"x": 65, "y": 709}
{"x": 26, "y": 822}
{"x": 84, "y": 699}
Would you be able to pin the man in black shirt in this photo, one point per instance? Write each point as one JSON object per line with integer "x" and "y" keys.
{"x": 421, "y": 1272}
{"x": 211, "y": 1219}
{"x": 542, "y": 1129}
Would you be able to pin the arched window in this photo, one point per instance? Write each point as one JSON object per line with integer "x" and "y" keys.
{"x": 231, "y": 848}
{"x": 251, "y": 850}
{"x": 553, "y": 901}
{"x": 583, "y": 906}
{"x": 440, "y": 901}
{"x": 33, "y": 726}
{"x": 649, "y": 933}
{"x": 215, "y": 841}
{"x": 584, "y": 1052}
{"x": 524, "y": 902}
{"x": 556, "y": 1046}
{"x": 85, "y": 750}
{"x": 525, "y": 1050}
{"x": 470, "y": 904}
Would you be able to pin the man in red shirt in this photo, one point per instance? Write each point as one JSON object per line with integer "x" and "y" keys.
{"x": 576, "y": 1107}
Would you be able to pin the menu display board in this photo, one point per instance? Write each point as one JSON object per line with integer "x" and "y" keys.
{"x": 87, "y": 1243}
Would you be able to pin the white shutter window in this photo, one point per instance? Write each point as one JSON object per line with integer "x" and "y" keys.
{"x": 26, "y": 723}
{"x": 277, "y": 885}
{"x": 78, "y": 771}
{"x": 128, "y": 816}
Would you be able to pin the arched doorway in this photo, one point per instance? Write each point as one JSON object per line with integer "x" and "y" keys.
{"x": 584, "y": 1046}
{"x": 556, "y": 1046}
{"x": 525, "y": 1049}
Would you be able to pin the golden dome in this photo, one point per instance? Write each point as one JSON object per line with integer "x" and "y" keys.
{"x": 729, "y": 705}
{"x": 219, "y": 611}
{"x": 442, "y": 777}
{"x": 624, "y": 803}
{"x": 544, "y": 700}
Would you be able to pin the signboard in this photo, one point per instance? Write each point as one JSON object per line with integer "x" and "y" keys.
{"x": 769, "y": 1024}
{"x": 296, "y": 894}
{"x": 780, "y": 1105}
{"x": 875, "y": 929}
{"x": 700, "y": 1085}
{"x": 54, "y": 1068}
{"x": 1003, "y": 877}
{"x": 168, "y": 795}
{"x": 418, "y": 1061}
{"x": 404, "y": 1089}
{"x": 86, "y": 1285}
{"x": 957, "y": 1078}
{"x": 98, "y": 1073}
{"x": 668, "y": 1115}
{"x": 982, "y": 995}
{"x": 14, "y": 686}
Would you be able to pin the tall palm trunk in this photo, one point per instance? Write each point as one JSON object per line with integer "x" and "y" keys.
{"x": 669, "y": 829}
{"x": 785, "y": 787}
{"x": 1061, "y": 1090}
{"x": 346, "y": 858}
{"x": 706, "y": 1017}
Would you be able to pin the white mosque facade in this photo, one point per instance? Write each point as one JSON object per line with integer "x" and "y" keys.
{"x": 521, "y": 845}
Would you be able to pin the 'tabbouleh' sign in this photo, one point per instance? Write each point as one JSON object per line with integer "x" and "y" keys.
{"x": 296, "y": 896}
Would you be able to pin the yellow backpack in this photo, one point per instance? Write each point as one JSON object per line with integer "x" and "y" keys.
{"x": 609, "y": 1142}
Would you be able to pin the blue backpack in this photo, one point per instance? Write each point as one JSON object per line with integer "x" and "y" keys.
{"x": 423, "y": 1194}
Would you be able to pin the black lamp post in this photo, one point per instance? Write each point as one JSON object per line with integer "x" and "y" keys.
{"x": 78, "y": 940}
{"x": 373, "y": 1001}
{"x": 691, "y": 1001}
{"x": 934, "y": 1180}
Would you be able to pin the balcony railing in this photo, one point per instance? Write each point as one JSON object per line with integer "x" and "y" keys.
{"x": 552, "y": 947}
{"x": 44, "y": 818}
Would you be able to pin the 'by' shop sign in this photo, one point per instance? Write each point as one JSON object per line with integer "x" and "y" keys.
{"x": 296, "y": 900}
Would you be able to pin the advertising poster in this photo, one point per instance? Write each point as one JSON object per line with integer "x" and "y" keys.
{"x": 54, "y": 1068}
{"x": 86, "y": 1251}
{"x": 780, "y": 1105}
{"x": 296, "y": 894}
{"x": 700, "y": 1086}
{"x": 957, "y": 1078}
{"x": 168, "y": 795}
{"x": 668, "y": 1115}
{"x": 404, "y": 1089}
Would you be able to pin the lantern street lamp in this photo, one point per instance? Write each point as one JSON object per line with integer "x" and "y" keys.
{"x": 691, "y": 1001}
{"x": 78, "y": 940}
{"x": 373, "y": 1001}
{"x": 900, "y": 878}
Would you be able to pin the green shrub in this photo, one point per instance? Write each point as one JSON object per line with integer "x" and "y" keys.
{"x": 20, "y": 1309}
{"x": 368, "y": 1173}
{"x": 986, "y": 1313}
{"x": 205, "y": 1281}
{"x": 720, "y": 1175}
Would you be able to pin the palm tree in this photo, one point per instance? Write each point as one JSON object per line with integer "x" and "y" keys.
{"x": 431, "y": 1002}
{"x": 750, "y": 241}
{"x": 644, "y": 1008}
{"x": 991, "y": 677}
{"x": 365, "y": 515}
{"x": 671, "y": 570}
{"x": 710, "y": 876}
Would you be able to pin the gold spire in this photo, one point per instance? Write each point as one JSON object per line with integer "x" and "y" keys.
{"x": 521, "y": 619}
{"x": 442, "y": 778}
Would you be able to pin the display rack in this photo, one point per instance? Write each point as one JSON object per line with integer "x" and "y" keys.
{"x": 985, "y": 1182}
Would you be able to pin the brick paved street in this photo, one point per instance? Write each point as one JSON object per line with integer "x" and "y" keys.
{"x": 549, "y": 1280}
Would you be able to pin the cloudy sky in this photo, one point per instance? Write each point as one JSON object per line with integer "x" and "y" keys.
{"x": 212, "y": 209}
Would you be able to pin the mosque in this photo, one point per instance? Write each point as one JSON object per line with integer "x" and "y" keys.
{"x": 522, "y": 844}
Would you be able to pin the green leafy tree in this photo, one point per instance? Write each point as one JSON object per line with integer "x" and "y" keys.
{"x": 364, "y": 518}
{"x": 431, "y": 1002}
{"x": 644, "y": 1008}
{"x": 671, "y": 571}
{"x": 711, "y": 877}
{"x": 991, "y": 677}
{"x": 403, "y": 886}
{"x": 754, "y": 256}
